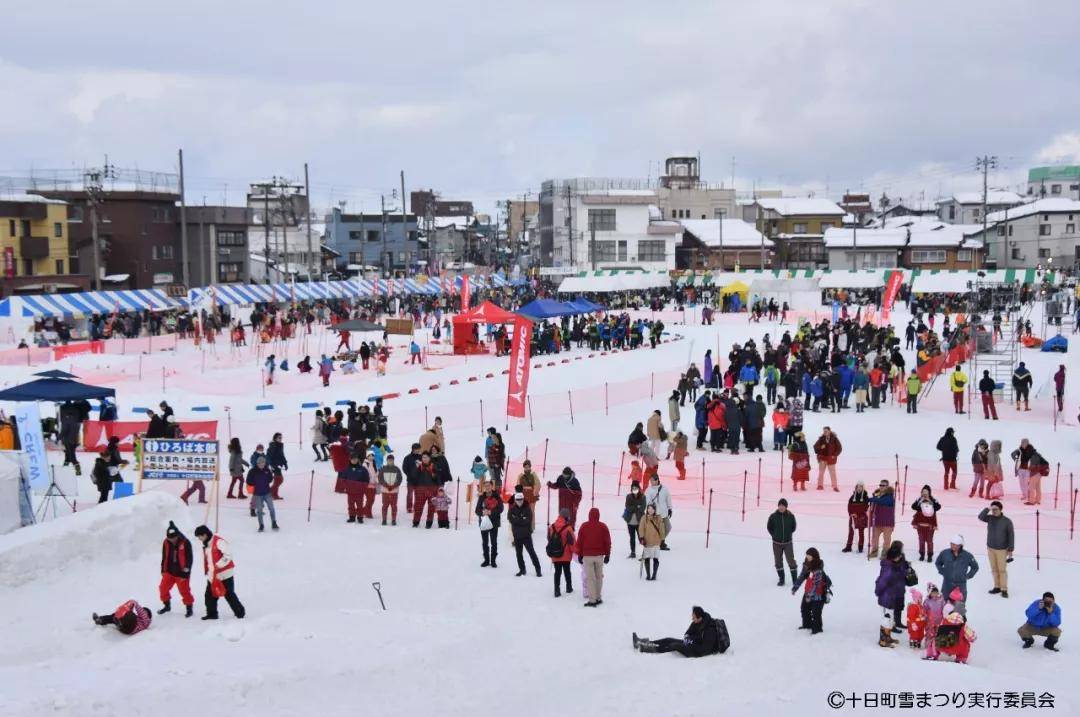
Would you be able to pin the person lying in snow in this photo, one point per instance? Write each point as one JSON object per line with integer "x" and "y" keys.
{"x": 129, "y": 618}
{"x": 705, "y": 636}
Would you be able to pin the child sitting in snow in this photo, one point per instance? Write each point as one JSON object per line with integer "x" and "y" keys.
{"x": 129, "y": 618}
{"x": 441, "y": 502}
{"x": 916, "y": 620}
{"x": 954, "y": 637}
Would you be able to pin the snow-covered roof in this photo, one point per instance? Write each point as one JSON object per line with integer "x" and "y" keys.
{"x": 1040, "y": 206}
{"x": 737, "y": 233}
{"x": 901, "y": 232}
{"x": 915, "y": 205}
{"x": 992, "y": 197}
{"x": 29, "y": 199}
{"x": 806, "y": 206}
{"x": 458, "y": 222}
{"x": 655, "y": 213}
{"x": 865, "y": 238}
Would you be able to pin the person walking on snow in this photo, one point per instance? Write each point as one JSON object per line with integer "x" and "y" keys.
{"x": 1059, "y": 387}
{"x": 924, "y": 520}
{"x": 561, "y": 543}
{"x": 488, "y": 510}
{"x": 950, "y": 451}
{"x": 355, "y": 479}
{"x": 569, "y": 492}
{"x": 827, "y": 449}
{"x": 520, "y": 517}
{"x": 633, "y": 512}
{"x": 889, "y": 589}
{"x": 858, "y": 506}
{"x": 987, "y": 386}
{"x": 816, "y": 587}
{"x": 659, "y": 497}
{"x": 237, "y": 465}
{"x": 781, "y": 528}
{"x": 326, "y": 367}
{"x": 655, "y": 431}
{"x": 882, "y": 517}
{"x": 1000, "y": 542}
{"x": 958, "y": 384}
{"x": 390, "y": 483}
{"x": 956, "y": 566}
{"x": 593, "y": 547}
{"x": 979, "y": 460}
{"x": 176, "y": 560}
{"x": 673, "y": 411}
{"x": 651, "y": 533}
{"x": 260, "y": 478}
{"x": 218, "y": 566}
{"x": 275, "y": 456}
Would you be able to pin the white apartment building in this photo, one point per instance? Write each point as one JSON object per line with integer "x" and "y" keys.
{"x": 966, "y": 207}
{"x": 1043, "y": 233}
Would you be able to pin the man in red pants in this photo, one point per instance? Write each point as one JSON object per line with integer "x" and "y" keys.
{"x": 424, "y": 490}
{"x": 175, "y": 569}
{"x": 958, "y": 384}
{"x": 986, "y": 390}
{"x": 344, "y": 341}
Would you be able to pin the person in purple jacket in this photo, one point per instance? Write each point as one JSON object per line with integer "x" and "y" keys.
{"x": 882, "y": 517}
{"x": 889, "y": 588}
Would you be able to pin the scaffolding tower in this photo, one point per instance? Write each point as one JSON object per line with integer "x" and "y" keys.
{"x": 999, "y": 356}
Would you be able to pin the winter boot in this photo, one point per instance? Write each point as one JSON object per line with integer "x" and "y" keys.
{"x": 794, "y": 576}
{"x": 274, "y": 526}
{"x": 636, "y": 640}
{"x": 1029, "y": 641}
{"x": 847, "y": 549}
{"x": 209, "y": 617}
{"x": 648, "y": 569}
{"x": 655, "y": 568}
{"x": 1004, "y": 593}
{"x": 351, "y": 520}
{"x": 646, "y": 646}
{"x": 189, "y": 610}
{"x": 165, "y": 607}
{"x": 1051, "y": 644}
{"x": 78, "y": 469}
{"x": 780, "y": 575}
{"x": 884, "y": 639}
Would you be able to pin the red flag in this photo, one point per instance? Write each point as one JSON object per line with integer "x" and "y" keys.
{"x": 518, "y": 384}
{"x": 892, "y": 287}
{"x": 465, "y": 293}
{"x": 375, "y": 287}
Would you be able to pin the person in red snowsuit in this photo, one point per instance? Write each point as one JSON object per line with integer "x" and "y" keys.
{"x": 129, "y": 618}
{"x": 916, "y": 620}
{"x": 344, "y": 341}
{"x": 175, "y": 569}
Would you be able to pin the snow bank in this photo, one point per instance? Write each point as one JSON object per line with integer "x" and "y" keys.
{"x": 117, "y": 531}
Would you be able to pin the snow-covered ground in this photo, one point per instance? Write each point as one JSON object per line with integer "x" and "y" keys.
{"x": 459, "y": 639}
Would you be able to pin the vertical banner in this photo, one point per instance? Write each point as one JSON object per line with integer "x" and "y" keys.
{"x": 28, "y": 419}
{"x": 835, "y": 311}
{"x": 518, "y": 383}
{"x": 9, "y": 262}
{"x": 892, "y": 288}
{"x": 465, "y": 293}
{"x": 375, "y": 286}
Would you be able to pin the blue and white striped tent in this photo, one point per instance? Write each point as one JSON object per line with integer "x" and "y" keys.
{"x": 85, "y": 304}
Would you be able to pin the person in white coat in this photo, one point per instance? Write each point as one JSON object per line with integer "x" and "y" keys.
{"x": 660, "y": 497}
{"x": 673, "y": 411}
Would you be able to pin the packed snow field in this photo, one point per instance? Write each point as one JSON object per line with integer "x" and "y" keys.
{"x": 458, "y": 638}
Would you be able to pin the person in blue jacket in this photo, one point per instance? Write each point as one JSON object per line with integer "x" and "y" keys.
{"x": 807, "y": 379}
{"x": 748, "y": 377}
{"x": 847, "y": 378}
{"x": 701, "y": 418}
{"x": 817, "y": 390}
{"x": 860, "y": 382}
{"x": 260, "y": 478}
{"x": 1043, "y": 619}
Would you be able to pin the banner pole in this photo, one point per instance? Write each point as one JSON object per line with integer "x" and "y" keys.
{"x": 1057, "y": 480}
{"x": 570, "y": 400}
{"x": 745, "y": 475}
{"x": 1037, "y": 531}
{"x": 708, "y": 520}
{"x": 481, "y": 416}
{"x": 592, "y": 495}
{"x": 549, "y": 506}
{"x": 781, "y": 471}
{"x": 618, "y": 486}
{"x": 759, "y": 482}
{"x": 457, "y": 502}
{"x": 703, "y": 481}
{"x": 529, "y": 399}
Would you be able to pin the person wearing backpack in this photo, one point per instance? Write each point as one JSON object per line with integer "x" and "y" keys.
{"x": 816, "y": 586}
{"x": 705, "y": 636}
{"x": 633, "y": 512}
{"x": 560, "y": 548}
{"x": 651, "y": 533}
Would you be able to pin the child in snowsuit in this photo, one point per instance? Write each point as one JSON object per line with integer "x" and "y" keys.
{"x": 959, "y": 646}
{"x": 933, "y": 609}
{"x": 916, "y": 620}
{"x": 441, "y": 502}
{"x": 129, "y": 618}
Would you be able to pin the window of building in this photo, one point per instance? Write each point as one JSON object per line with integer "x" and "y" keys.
{"x": 1001, "y": 231}
{"x": 651, "y": 250}
{"x": 1044, "y": 252}
{"x": 231, "y": 238}
{"x": 356, "y": 257}
{"x": 976, "y": 212}
{"x": 1055, "y": 189}
{"x": 952, "y": 211}
{"x": 1044, "y": 230}
{"x": 603, "y": 251}
{"x": 75, "y": 213}
{"x": 162, "y": 215}
{"x": 11, "y": 227}
{"x": 798, "y": 229}
{"x": 58, "y": 230}
{"x": 1010, "y": 230}
{"x": 59, "y": 266}
{"x": 1070, "y": 228}
{"x": 622, "y": 250}
{"x": 928, "y": 256}
{"x": 230, "y": 271}
{"x": 602, "y": 220}
{"x": 1016, "y": 252}
{"x": 373, "y": 235}
{"x": 825, "y": 226}
{"x": 718, "y": 213}
{"x": 414, "y": 235}
{"x": 28, "y": 267}
{"x": 403, "y": 258}
{"x": 165, "y": 251}
{"x": 356, "y": 234}
{"x": 963, "y": 254}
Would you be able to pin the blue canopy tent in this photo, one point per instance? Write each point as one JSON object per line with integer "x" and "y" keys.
{"x": 538, "y": 309}
{"x": 55, "y": 390}
{"x": 85, "y": 304}
{"x": 1056, "y": 343}
{"x": 588, "y": 306}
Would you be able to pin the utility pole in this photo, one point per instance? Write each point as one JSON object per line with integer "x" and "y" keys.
{"x": 986, "y": 163}
{"x": 265, "y": 187}
{"x": 569, "y": 225}
{"x": 404, "y": 224}
{"x": 312, "y": 265}
{"x": 202, "y": 246}
{"x": 855, "y": 244}
{"x": 382, "y": 256}
{"x": 184, "y": 275}
{"x": 720, "y": 225}
{"x": 94, "y": 195}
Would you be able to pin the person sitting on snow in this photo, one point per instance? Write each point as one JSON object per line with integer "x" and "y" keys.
{"x": 705, "y": 636}
{"x": 129, "y": 618}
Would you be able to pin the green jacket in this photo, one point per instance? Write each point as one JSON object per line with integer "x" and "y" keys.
{"x": 914, "y": 385}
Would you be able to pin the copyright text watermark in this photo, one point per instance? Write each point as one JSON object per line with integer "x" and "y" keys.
{"x": 942, "y": 700}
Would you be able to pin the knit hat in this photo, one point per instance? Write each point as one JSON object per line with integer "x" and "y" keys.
{"x": 931, "y": 587}
{"x": 172, "y": 531}
{"x": 916, "y": 596}
{"x": 957, "y": 539}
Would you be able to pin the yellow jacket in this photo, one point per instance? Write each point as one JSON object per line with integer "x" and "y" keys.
{"x": 957, "y": 381}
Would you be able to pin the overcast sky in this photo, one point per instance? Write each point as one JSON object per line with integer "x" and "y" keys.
{"x": 485, "y": 100}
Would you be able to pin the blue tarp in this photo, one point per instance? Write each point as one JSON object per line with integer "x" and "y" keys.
{"x": 1056, "y": 343}
{"x": 54, "y": 389}
{"x": 546, "y": 309}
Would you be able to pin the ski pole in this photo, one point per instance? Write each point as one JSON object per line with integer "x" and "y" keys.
{"x": 377, "y": 587}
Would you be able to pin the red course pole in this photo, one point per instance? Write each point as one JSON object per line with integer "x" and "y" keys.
{"x": 781, "y": 472}
{"x": 618, "y": 487}
{"x": 310, "y": 495}
{"x": 426, "y": 424}
{"x": 745, "y": 475}
{"x": 570, "y": 400}
{"x": 904, "y": 494}
{"x": 457, "y": 503}
{"x": 549, "y": 505}
{"x": 652, "y": 384}
{"x": 300, "y": 429}
{"x": 708, "y": 521}
{"x": 759, "y": 482}
{"x": 1072, "y": 512}
{"x": 897, "y": 467}
{"x": 592, "y": 496}
{"x": 703, "y": 481}
{"x": 605, "y": 399}
{"x": 1037, "y": 540}
{"x": 543, "y": 463}
{"x": 1057, "y": 479}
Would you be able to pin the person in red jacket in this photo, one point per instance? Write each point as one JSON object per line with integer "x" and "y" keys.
{"x": 564, "y": 528}
{"x": 827, "y": 448}
{"x": 858, "y": 505}
{"x": 175, "y": 569}
{"x": 593, "y": 548}
{"x": 129, "y": 618}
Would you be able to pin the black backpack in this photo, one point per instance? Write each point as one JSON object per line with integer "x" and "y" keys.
{"x": 555, "y": 546}
{"x": 723, "y": 640}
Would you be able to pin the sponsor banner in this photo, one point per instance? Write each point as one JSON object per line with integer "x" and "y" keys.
{"x": 180, "y": 459}
{"x": 518, "y": 383}
{"x": 892, "y": 287}
{"x": 96, "y": 434}
{"x": 465, "y": 294}
{"x": 28, "y": 418}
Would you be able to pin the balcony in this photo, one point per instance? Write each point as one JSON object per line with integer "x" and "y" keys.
{"x": 34, "y": 247}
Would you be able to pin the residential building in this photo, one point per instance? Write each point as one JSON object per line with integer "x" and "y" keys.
{"x": 682, "y": 194}
{"x": 34, "y": 246}
{"x": 279, "y": 216}
{"x": 725, "y": 244}
{"x": 1042, "y": 233}
{"x": 522, "y": 216}
{"x": 427, "y": 203}
{"x": 599, "y": 223}
{"x": 454, "y": 241}
{"x": 858, "y": 206}
{"x": 138, "y": 234}
{"x": 374, "y": 240}
{"x": 217, "y": 238}
{"x": 1062, "y": 181}
{"x": 907, "y": 242}
{"x": 912, "y": 207}
{"x": 798, "y": 225}
{"x": 967, "y": 207}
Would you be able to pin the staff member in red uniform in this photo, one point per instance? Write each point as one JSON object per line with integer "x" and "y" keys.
{"x": 218, "y": 566}
{"x": 175, "y": 569}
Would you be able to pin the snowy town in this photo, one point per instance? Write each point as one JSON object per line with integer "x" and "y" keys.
{"x": 330, "y": 400}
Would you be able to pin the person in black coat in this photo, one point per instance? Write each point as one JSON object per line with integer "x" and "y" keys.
{"x": 700, "y": 639}
{"x": 275, "y": 456}
{"x": 949, "y": 451}
{"x": 781, "y": 526}
{"x": 176, "y": 561}
{"x": 489, "y": 504}
{"x": 733, "y": 417}
{"x": 102, "y": 476}
{"x": 520, "y": 517}
{"x": 755, "y": 423}
{"x": 442, "y": 467}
